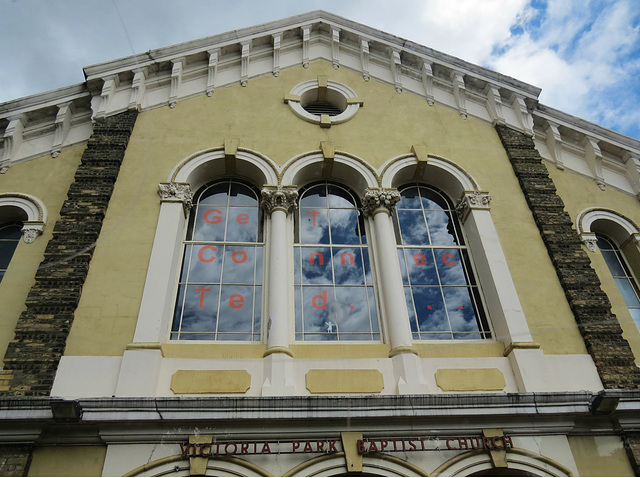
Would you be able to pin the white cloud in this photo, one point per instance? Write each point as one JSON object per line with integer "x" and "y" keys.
{"x": 468, "y": 29}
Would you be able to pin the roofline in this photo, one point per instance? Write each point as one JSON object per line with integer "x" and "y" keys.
{"x": 141, "y": 60}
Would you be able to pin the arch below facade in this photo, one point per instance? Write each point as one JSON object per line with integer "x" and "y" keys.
{"x": 519, "y": 461}
{"x": 608, "y": 222}
{"x": 203, "y": 166}
{"x": 24, "y": 208}
{"x": 436, "y": 171}
{"x": 343, "y": 167}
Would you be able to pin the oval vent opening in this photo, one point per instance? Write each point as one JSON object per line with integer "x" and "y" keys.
{"x": 322, "y": 108}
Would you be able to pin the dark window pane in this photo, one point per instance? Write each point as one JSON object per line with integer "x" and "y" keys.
{"x": 315, "y": 197}
{"x": 613, "y": 262}
{"x": 441, "y": 229}
{"x": 430, "y": 309}
{"x": 432, "y": 199}
{"x": 350, "y": 310}
{"x": 628, "y": 292}
{"x": 242, "y": 224}
{"x": 413, "y": 227}
{"x": 410, "y": 199}
{"x": 460, "y": 309}
{"x": 215, "y": 195}
{"x": 347, "y": 265}
{"x": 242, "y": 195}
{"x": 239, "y": 265}
{"x": 210, "y": 223}
{"x": 200, "y": 310}
{"x": 236, "y": 311}
{"x": 344, "y": 226}
{"x": 339, "y": 198}
{"x": 316, "y": 265}
{"x": 450, "y": 267}
{"x": 202, "y": 263}
{"x": 421, "y": 266}
{"x": 314, "y": 226}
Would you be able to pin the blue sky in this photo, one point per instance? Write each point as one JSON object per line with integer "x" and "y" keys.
{"x": 584, "y": 54}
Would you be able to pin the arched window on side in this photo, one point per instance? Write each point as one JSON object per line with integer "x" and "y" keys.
{"x": 334, "y": 298}
{"x": 442, "y": 294}
{"x": 621, "y": 272}
{"x": 10, "y": 234}
{"x": 220, "y": 287}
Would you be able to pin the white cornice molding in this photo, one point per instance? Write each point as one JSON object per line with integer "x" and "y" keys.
{"x": 165, "y": 76}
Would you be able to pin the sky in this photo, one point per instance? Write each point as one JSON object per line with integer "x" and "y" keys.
{"x": 584, "y": 54}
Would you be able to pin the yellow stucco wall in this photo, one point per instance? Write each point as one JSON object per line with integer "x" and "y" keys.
{"x": 48, "y": 180}
{"x": 600, "y": 456}
{"x": 68, "y": 461}
{"x": 386, "y": 127}
{"x": 580, "y": 193}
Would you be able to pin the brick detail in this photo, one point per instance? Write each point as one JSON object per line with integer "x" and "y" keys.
{"x": 15, "y": 460}
{"x": 599, "y": 327}
{"x": 41, "y": 333}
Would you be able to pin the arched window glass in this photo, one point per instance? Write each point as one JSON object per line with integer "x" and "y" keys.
{"x": 441, "y": 292}
{"x": 9, "y": 237}
{"x": 334, "y": 297}
{"x": 220, "y": 289}
{"x": 621, "y": 273}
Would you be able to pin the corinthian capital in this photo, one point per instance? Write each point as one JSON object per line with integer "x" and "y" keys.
{"x": 376, "y": 199}
{"x": 279, "y": 197}
{"x": 176, "y": 192}
{"x": 472, "y": 200}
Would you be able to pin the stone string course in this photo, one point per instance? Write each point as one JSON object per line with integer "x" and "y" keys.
{"x": 41, "y": 333}
{"x": 599, "y": 327}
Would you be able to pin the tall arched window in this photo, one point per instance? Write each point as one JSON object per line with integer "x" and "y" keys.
{"x": 220, "y": 288}
{"x": 622, "y": 274}
{"x": 441, "y": 292}
{"x": 334, "y": 297}
{"x": 9, "y": 237}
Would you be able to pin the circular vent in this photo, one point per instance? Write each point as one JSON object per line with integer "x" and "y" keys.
{"x": 322, "y": 108}
{"x": 323, "y": 102}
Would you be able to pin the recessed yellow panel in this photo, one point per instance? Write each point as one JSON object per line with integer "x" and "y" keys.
{"x": 344, "y": 381}
{"x": 470, "y": 379}
{"x": 210, "y": 381}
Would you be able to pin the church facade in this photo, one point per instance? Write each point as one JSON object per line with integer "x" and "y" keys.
{"x": 311, "y": 248}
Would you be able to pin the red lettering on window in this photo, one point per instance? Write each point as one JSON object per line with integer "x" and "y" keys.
{"x": 323, "y": 301}
{"x": 451, "y": 256}
{"x": 242, "y": 219}
{"x": 348, "y": 255}
{"x": 314, "y": 214}
{"x": 215, "y": 219}
{"x": 239, "y": 257}
{"x": 201, "y": 253}
{"x": 202, "y": 290}
{"x": 420, "y": 259}
{"x": 236, "y": 301}
{"x": 320, "y": 257}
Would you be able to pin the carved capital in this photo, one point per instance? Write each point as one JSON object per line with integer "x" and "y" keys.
{"x": 31, "y": 230}
{"x": 472, "y": 200}
{"x": 176, "y": 192}
{"x": 377, "y": 199}
{"x": 279, "y": 197}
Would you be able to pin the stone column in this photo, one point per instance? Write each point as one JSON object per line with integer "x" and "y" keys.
{"x": 278, "y": 360}
{"x": 378, "y": 205}
{"x": 277, "y": 202}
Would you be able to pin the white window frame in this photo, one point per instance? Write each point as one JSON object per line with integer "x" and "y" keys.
{"x": 506, "y": 316}
{"x": 159, "y": 295}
